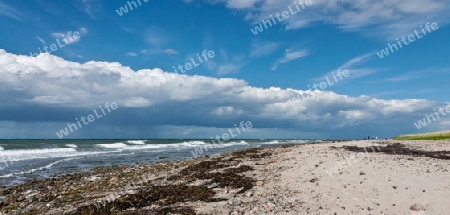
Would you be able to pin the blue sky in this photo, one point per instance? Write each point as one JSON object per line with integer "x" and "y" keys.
{"x": 129, "y": 59}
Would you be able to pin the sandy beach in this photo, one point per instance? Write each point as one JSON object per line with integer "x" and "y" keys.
{"x": 347, "y": 177}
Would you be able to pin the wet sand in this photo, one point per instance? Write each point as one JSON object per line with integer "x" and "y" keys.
{"x": 353, "y": 177}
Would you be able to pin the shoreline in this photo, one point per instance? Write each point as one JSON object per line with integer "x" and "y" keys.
{"x": 286, "y": 179}
{"x": 40, "y": 159}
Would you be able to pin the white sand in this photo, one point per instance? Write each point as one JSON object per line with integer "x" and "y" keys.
{"x": 374, "y": 183}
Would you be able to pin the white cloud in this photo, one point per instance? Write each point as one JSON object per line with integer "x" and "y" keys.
{"x": 48, "y": 81}
{"x": 137, "y": 102}
{"x": 229, "y": 68}
{"x": 68, "y": 37}
{"x": 170, "y": 51}
{"x": 418, "y": 74}
{"x": 83, "y": 31}
{"x": 357, "y": 60}
{"x": 224, "y": 63}
{"x": 90, "y": 7}
{"x": 384, "y": 19}
{"x": 131, "y": 54}
{"x": 41, "y": 40}
{"x": 157, "y": 37}
{"x": 57, "y": 34}
{"x": 45, "y": 99}
{"x": 351, "y": 65}
{"x": 238, "y": 4}
{"x": 290, "y": 55}
{"x": 260, "y": 49}
{"x": 10, "y": 12}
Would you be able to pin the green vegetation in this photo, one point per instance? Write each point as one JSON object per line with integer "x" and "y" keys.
{"x": 441, "y": 135}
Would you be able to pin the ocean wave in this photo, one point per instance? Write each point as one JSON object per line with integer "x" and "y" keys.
{"x": 186, "y": 144}
{"x": 285, "y": 142}
{"x": 191, "y": 143}
{"x": 298, "y": 141}
{"x": 1, "y": 148}
{"x": 242, "y": 142}
{"x": 28, "y": 154}
{"x": 36, "y": 169}
{"x": 71, "y": 145}
{"x": 272, "y": 142}
{"x": 122, "y": 147}
{"x": 179, "y": 146}
{"x": 224, "y": 145}
{"x": 137, "y": 142}
{"x": 112, "y": 145}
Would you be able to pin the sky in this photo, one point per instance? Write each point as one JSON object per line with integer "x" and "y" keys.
{"x": 195, "y": 68}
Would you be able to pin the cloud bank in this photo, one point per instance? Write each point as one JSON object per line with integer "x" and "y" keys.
{"x": 51, "y": 91}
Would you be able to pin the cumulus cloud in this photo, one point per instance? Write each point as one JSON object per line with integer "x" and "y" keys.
{"x": 49, "y": 89}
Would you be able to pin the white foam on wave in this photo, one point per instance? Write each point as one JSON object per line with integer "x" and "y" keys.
{"x": 190, "y": 143}
{"x": 272, "y": 142}
{"x": 149, "y": 146}
{"x": 71, "y": 145}
{"x": 112, "y": 145}
{"x": 34, "y": 170}
{"x": 231, "y": 144}
{"x": 181, "y": 145}
{"x": 223, "y": 145}
{"x": 298, "y": 141}
{"x": 122, "y": 146}
{"x": 283, "y": 142}
{"x": 137, "y": 142}
{"x": 1, "y": 148}
{"x": 29, "y": 154}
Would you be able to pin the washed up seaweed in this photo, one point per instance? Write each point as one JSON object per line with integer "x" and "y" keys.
{"x": 400, "y": 149}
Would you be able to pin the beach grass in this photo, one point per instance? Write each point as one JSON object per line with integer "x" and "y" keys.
{"x": 440, "y": 135}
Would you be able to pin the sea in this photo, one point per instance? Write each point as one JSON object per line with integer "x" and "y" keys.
{"x": 22, "y": 160}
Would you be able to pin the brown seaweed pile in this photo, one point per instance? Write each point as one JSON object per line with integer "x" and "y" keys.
{"x": 401, "y": 149}
{"x": 163, "y": 196}
{"x": 167, "y": 189}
